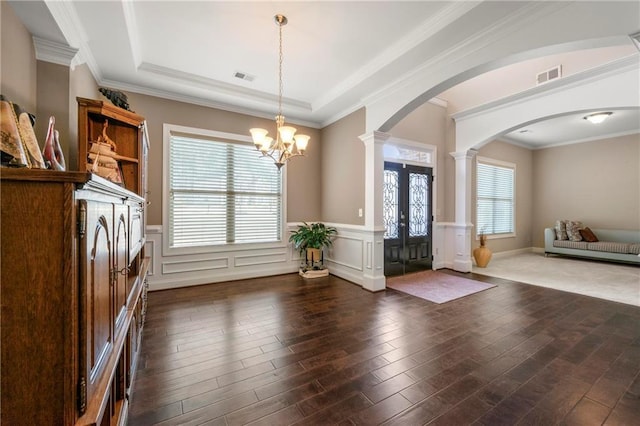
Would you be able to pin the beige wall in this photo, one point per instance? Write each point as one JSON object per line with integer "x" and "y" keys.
{"x": 523, "y": 159}
{"x": 43, "y": 88}
{"x": 595, "y": 182}
{"x": 343, "y": 169}
{"x": 18, "y": 60}
{"x": 53, "y": 100}
{"x": 303, "y": 174}
{"x": 427, "y": 124}
{"x": 81, "y": 84}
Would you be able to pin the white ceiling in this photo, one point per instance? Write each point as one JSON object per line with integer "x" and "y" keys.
{"x": 573, "y": 128}
{"x": 335, "y": 53}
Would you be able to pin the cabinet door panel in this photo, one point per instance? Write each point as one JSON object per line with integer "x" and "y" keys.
{"x": 136, "y": 225}
{"x": 97, "y": 289}
{"x": 121, "y": 250}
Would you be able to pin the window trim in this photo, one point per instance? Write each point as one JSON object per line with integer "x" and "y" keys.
{"x": 498, "y": 163}
{"x": 173, "y": 129}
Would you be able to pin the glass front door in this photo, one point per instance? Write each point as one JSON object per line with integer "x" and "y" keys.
{"x": 407, "y": 218}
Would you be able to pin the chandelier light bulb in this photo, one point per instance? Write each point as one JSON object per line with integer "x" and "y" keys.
{"x": 258, "y": 136}
{"x": 301, "y": 142}
{"x": 286, "y": 134}
{"x": 266, "y": 144}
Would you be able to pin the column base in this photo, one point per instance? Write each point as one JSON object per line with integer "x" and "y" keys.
{"x": 462, "y": 265}
{"x": 374, "y": 284}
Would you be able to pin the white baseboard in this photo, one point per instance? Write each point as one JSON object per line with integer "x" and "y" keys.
{"x": 166, "y": 284}
{"x": 516, "y": 251}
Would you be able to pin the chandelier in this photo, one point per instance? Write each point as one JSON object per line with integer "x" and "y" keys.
{"x": 287, "y": 144}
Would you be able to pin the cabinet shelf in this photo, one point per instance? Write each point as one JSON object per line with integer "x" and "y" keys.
{"x": 125, "y": 129}
{"x": 126, "y": 159}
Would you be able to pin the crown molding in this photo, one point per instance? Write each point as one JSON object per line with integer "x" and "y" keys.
{"x": 340, "y": 115}
{"x": 426, "y": 30}
{"x": 635, "y": 37}
{"x": 489, "y": 35}
{"x": 571, "y": 142}
{"x": 438, "y": 102}
{"x": 345, "y": 112}
{"x": 54, "y": 52}
{"x": 67, "y": 19}
{"x": 610, "y": 69}
{"x": 222, "y": 87}
{"x": 129, "y": 14}
{"x": 179, "y": 97}
{"x": 516, "y": 143}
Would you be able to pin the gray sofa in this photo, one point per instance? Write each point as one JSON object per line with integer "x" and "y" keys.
{"x": 613, "y": 244}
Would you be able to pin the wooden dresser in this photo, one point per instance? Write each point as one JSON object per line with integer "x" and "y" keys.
{"x": 73, "y": 286}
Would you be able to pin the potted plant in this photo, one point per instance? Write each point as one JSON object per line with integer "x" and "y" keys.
{"x": 309, "y": 239}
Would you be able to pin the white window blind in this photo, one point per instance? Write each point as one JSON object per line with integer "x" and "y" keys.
{"x": 495, "y": 205}
{"x": 221, "y": 192}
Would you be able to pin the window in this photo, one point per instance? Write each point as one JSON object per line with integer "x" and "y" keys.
{"x": 495, "y": 206}
{"x": 221, "y": 192}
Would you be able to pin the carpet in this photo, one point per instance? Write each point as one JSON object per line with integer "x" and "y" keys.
{"x": 605, "y": 280}
{"x": 436, "y": 286}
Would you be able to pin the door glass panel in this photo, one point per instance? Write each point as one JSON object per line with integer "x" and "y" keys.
{"x": 390, "y": 203}
{"x": 394, "y": 152}
{"x": 418, "y": 205}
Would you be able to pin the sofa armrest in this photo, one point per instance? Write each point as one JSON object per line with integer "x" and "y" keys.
{"x": 549, "y": 237}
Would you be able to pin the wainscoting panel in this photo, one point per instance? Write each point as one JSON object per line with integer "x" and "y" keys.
{"x": 347, "y": 252}
{"x": 356, "y": 256}
{"x": 260, "y": 258}
{"x": 174, "y": 271}
{"x": 188, "y": 265}
{"x": 149, "y": 250}
{"x": 444, "y": 243}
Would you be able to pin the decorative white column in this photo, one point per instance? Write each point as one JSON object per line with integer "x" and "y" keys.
{"x": 374, "y": 279}
{"x": 463, "y": 225}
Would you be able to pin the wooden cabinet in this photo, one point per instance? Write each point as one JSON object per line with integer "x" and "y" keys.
{"x": 68, "y": 298}
{"x": 73, "y": 284}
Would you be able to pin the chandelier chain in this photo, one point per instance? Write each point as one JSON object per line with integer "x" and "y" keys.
{"x": 280, "y": 60}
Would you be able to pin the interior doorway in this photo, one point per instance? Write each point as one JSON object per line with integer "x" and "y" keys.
{"x": 408, "y": 217}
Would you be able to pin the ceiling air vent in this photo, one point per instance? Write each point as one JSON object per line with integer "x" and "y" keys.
{"x": 548, "y": 75}
{"x": 243, "y": 76}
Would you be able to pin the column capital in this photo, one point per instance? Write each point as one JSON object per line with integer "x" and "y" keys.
{"x": 464, "y": 155}
{"x": 374, "y": 137}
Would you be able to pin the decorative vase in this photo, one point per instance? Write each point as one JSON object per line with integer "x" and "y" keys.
{"x": 482, "y": 255}
{"x": 52, "y": 152}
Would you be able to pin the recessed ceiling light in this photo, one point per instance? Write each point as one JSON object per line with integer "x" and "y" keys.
{"x": 597, "y": 117}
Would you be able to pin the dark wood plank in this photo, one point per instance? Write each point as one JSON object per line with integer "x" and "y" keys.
{"x": 284, "y": 350}
{"x": 586, "y": 413}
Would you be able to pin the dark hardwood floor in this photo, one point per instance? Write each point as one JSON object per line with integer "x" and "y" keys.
{"x": 283, "y": 350}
